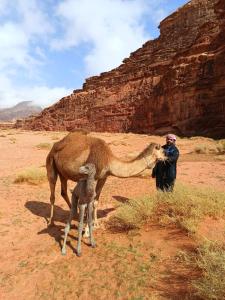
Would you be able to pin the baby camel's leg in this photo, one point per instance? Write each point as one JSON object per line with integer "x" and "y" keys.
{"x": 67, "y": 228}
{"x": 80, "y": 227}
{"x": 99, "y": 188}
{"x": 90, "y": 224}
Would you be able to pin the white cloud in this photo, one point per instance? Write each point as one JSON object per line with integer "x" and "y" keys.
{"x": 40, "y": 95}
{"x": 18, "y": 55}
{"x": 113, "y": 29}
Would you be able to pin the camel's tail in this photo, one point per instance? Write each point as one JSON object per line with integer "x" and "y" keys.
{"x": 52, "y": 172}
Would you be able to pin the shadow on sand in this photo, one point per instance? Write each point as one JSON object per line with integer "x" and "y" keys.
{"x": 42, "y": 209}
{"x": 121, "y": 199}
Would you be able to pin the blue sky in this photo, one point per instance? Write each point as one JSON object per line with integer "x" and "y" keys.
{"x": 49, "y": 47}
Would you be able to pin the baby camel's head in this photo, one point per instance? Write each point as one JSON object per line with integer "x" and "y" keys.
{"x": 88, "y": 169}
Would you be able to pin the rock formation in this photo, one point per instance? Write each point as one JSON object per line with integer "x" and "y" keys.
{"x": 173, "y": 83}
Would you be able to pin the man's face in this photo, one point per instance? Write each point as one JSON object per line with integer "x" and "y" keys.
{"x": 170, "y": 141}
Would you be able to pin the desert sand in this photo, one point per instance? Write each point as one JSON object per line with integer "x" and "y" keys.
{"x": 31, "y": 265}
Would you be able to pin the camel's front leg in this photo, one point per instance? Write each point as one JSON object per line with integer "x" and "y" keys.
{"x": 80, "y": 227}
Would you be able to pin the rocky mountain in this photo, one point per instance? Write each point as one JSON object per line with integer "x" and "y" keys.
{"x": 20, "y": 110}
{"x": 175, "y": 83}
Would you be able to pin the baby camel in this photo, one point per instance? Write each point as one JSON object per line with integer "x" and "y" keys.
{"x": 84, "y": 194}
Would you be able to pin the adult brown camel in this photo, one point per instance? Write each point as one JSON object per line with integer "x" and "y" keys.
{"x": 79, "y": 148}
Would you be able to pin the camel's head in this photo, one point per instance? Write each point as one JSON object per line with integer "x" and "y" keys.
{"x": 88, "y": 169}
{"x": 153, "y": 153}
{"x": 158, "y": 152}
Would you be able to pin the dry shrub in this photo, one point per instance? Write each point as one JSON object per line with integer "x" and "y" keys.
{"x": 221, "y": 147}
{"x": 32, "y": 176}
{"x": 188, "y": 205}
{"x": 216, "y": 148}
{"x": 12, "y": 140}
{"x": 44, "y": 146}
{"x": 209, "y": 261}
{"x": 55, "y": 137}
{"x": 201, "y": 149}
{"x": 132, "y": 214}
{"x": 118, "y": 143}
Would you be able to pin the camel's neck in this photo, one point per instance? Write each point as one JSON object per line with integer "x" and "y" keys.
{"x": 90, "y": 184}
{"x": 120, "y": 168}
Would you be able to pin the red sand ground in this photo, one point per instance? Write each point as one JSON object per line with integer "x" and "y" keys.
{"x": 31, "y": 265}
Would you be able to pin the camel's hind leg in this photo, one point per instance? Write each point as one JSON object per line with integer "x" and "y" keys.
{"x": 99, "y": 188}
{"x": 52, "y": 200}
{"x": 90, "y": 223}
{"x": 68, "y": 225}
{"x": 64, "y": 190}
{"x": 80, "y": 227}
{"x": 52, "y": 178}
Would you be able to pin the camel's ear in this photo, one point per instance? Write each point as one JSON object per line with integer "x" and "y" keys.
{"x": 71, "y": 191}
{"x": 158, "y": 146}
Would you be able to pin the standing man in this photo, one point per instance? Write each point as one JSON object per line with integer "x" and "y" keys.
{"x": 165, "y": 171}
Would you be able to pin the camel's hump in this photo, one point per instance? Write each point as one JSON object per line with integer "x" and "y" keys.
{"x": 72, "y": 137}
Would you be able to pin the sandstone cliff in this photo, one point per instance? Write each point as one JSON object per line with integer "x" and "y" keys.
{"x": 173, "y": 83}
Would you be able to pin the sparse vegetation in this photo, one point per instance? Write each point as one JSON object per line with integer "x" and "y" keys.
{"x": 215, "y": 148}
{"x": 201, "y": 149}
{"x": 44, "y": 146}
{"x": 122, "y": 272}
{"x": 12, "y": 140}
{"x": 132, "y": 214}
{"x": 188, "y": 205}
{"x": 31, "y": 176}
{"x": 209, "y": 259}
{"x": 55, "y": 137}
{"x": 221, "y": 147}
{"x": 118, "y": 143}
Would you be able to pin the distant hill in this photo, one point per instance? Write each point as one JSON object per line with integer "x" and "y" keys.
{"x": 19, "y": 111}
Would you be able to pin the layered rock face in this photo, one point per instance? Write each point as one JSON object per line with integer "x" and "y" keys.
{"x": 174, "y": 83}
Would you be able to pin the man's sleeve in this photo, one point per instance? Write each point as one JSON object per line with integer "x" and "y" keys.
{"x": 174, "y": 156}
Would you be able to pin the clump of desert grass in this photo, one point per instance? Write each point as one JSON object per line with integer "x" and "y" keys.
{"x": 209, "y": 260}
{"x": 221, "y": 146}
{"x": 44, "y": 146}
{"x": 31, "y": 175}
{"x": 185, "y": 207}
{"x": 217, "y": 147}
{"x": 206, "y": 149}
{"x": 55, "y": 137}
{"x": 132, "y": 214}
